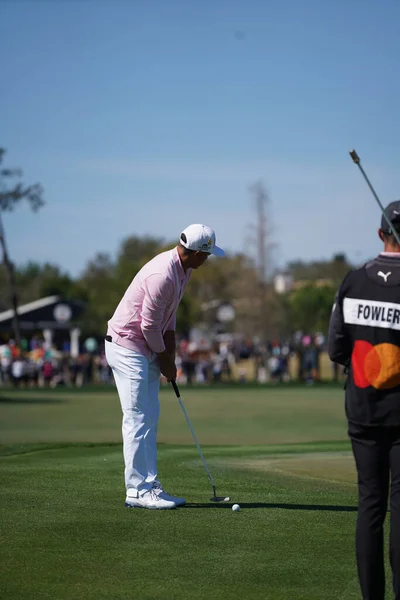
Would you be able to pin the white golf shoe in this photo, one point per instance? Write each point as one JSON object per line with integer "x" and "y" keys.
{"x": 150, "y": 499}
{"x": 161, "y": 493}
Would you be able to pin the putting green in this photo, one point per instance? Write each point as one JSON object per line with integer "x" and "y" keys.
{"x": 329, "y": 466}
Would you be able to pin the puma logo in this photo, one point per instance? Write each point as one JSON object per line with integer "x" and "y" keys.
{"x": 384, "y": 275}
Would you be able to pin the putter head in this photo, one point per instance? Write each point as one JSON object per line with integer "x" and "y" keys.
{"x": 220, "y": 499}
{"x": 354, "y": 156}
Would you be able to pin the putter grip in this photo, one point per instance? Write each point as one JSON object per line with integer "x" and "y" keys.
{"x": 175, "y": 388}
{"x": 354, "y": 156}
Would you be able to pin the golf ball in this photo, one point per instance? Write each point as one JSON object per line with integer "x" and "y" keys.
{"x": 236, "y": 508}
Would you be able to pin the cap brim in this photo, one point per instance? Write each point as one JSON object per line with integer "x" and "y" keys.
{"x": 218, "y": 251}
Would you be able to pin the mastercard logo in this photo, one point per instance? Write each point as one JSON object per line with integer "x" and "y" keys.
{"x": 376, "y": 366}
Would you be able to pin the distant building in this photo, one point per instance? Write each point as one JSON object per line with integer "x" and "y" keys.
{"x": 283, "y": 283}
{"x": 52, "y": 316}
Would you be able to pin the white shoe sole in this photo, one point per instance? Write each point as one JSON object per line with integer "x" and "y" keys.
{"x": 129, "y": 505}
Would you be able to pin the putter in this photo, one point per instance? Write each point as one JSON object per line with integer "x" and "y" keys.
{"x": 356, "y": 160}
{"x": 215, "y": 498}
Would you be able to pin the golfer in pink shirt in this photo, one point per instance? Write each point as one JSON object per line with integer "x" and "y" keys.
{"x": 140, "y": 343}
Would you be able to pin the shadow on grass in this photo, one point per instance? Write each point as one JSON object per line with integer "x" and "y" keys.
{"x": 244, "y": 505}
{"x": 27, "y": 400}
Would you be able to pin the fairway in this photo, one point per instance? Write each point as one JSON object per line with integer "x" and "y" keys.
{"x": 280, "y": 452}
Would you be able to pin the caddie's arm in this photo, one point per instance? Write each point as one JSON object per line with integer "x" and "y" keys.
{"x": 339, "y": 343}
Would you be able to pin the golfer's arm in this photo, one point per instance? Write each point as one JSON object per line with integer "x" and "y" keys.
{"x": 170, "y": 343}
{"x": 152, "y": 333}
{"x": 157, "y": 294}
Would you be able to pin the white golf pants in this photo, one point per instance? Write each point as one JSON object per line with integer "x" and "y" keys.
{"x": 138, "y": 383}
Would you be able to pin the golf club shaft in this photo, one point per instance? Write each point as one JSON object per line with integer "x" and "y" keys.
{"x": 176, "y": 390}
{"x": 356, "y": 160}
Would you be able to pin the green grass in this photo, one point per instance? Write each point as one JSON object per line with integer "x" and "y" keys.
{"x": 235, "y": 415}
{"x": 281, "y": 453}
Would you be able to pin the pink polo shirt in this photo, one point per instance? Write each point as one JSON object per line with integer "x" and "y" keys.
{"x": 148, "y": 307}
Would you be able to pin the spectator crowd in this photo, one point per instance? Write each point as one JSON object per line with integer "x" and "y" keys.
{"x": 38, "y": 364}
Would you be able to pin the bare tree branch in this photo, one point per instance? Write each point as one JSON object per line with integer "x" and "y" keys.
{"x": 10, "y": 198}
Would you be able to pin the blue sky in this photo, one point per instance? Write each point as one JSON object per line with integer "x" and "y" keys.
{"x": 141, "y": 117}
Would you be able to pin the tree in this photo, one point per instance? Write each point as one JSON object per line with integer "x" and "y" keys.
{"x": 133, "y": 254}
{"x": 35, "y": 281}
{"x": 102, "y": 290}
{"x": 4, "y": 293}
{"x": 233, "y": 280}
{"x": 11, "y": 194}
{"x": 139, "y": 249}
{"x": 264, "y": 257}
{"x": 310, "y": 308}
{"x": 333, "y": 270}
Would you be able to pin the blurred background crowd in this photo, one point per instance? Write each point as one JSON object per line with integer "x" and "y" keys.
{"x": 303, "y": 359}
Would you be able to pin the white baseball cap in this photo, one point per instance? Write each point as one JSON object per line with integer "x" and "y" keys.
{"x": 200, "y": 238}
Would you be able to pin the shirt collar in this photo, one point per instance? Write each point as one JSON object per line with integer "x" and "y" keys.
{"x": 396, "y": 254}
